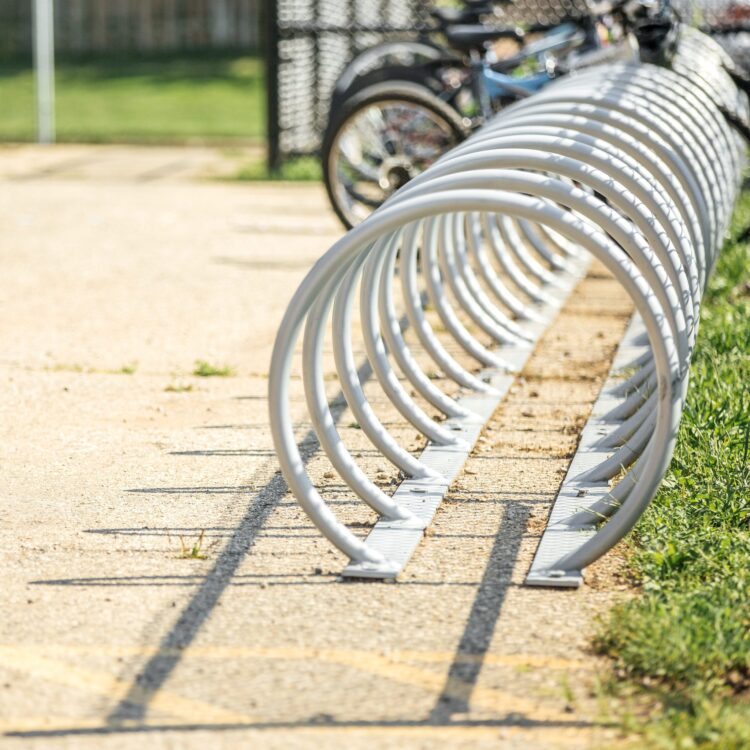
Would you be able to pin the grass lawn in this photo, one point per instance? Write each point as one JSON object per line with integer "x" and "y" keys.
{"x": 682, "y": 647}
{"x": 298, "y": 169}
{"x": 167, "y": 99}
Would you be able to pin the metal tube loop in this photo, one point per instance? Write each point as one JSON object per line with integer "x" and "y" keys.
{"x": 460, "y": 272}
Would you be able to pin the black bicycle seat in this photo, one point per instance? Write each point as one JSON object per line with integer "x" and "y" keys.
{"x": 467, "y": 37}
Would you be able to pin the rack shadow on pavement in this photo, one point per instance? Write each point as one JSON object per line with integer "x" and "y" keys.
{"x": 462, "y": 676}
{"x": 157, "y": 670}
{"x": 130, "y": 714}
{"x": 512, "y": 720}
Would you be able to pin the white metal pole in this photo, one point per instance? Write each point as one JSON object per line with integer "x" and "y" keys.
{"x": 44, "y": 65}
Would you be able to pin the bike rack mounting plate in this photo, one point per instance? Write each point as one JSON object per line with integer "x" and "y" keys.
{"x": 566, "y": 530}
{"x": 396, "y": 540}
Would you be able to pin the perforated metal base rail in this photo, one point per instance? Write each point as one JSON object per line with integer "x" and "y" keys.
{"x": 397, "y": 540}
{"x": 570, "y": 523}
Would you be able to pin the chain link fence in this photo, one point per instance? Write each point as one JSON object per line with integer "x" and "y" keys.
{"x": 311, "y": 41}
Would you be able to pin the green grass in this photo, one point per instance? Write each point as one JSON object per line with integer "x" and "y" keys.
{"x": 162, "y": 99}
{"x": 129, "y": 369}
{"x": 683, "y": 645}
{"x": 205, "y": 369}
{"x": 194, "y": 552}
{"x": 179, "y": 388}
{"x": 300, "y": 169}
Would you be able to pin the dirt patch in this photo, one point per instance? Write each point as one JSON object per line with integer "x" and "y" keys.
{"x": 611, "y": 572}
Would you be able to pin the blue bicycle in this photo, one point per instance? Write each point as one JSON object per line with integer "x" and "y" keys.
{"x": 400, "y": 106}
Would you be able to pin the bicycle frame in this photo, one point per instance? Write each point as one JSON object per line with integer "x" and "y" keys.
{"x": 492, "y": 85}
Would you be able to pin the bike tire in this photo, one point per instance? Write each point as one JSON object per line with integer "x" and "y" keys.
{"x": 407, "y": 92}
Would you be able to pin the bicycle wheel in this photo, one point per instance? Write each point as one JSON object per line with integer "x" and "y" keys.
{"x": 379, "y": 139}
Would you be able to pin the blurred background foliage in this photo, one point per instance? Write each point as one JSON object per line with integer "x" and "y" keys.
{"x": 163, "y": 71}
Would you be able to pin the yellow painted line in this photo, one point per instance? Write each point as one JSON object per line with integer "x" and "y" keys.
{"x": 296, "y": 653}
{"x": 48, "y": 724}
{"x": 29, "y": 661}
{"x": 437, "y": 657}
{"x": 391, "y": 666}
{"x": 385, "y": 667}
{"x": 493, "y": 660}
{"x": 492, "y": 699}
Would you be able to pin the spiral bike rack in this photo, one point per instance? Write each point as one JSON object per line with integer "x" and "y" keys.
{"x": 633, "y": 165}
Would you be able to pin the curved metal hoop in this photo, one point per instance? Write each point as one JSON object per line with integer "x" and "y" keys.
{"x": 631, "y": 164}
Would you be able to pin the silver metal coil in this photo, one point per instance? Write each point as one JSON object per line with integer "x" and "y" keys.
{"x": 631, "y": 164}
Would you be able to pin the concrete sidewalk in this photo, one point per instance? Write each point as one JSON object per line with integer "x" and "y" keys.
{"x": 116, "y": 460}
{"x": 115, "y": 163}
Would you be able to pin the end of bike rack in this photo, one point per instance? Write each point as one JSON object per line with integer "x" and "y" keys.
{"x": 573, "y": 520}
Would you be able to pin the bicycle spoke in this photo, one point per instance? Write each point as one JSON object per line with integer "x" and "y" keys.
{"x": 380, "y": 148}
